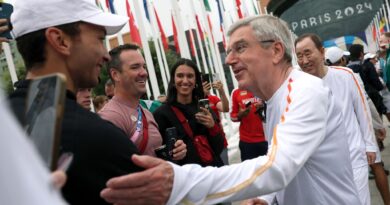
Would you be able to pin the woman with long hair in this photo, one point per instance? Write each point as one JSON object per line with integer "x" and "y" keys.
{"x": 184, "y": 91}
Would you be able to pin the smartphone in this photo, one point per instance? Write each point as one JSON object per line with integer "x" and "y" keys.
{"x": 44, "y": 112}
{"x": 205, "y": 77}
{"x": 215, "y": 77}
{"x": 171, "y": 137}
{"x": 247, "y": 104}
{"x": 203, "y": 103}
{"x": 5, "y": 13}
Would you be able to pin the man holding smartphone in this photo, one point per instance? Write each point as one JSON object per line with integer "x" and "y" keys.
{"x": 127, "y": 69}
{"x": 244, "y": 110}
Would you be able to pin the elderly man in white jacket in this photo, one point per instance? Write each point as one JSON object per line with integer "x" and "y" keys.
{"x": 308, "y": 159}
{"x": 356, "y": 114}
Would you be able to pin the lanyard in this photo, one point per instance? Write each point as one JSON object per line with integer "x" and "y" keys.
{"x": 142, "y": 124}
{"x": 138, "y": 126}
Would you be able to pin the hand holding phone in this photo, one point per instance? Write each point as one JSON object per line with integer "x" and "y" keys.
{"x": 204, "y": 103}
{"x": 166, "y": 151}
{"x": 44, "y": 111}
{"x": 171, "y": 137}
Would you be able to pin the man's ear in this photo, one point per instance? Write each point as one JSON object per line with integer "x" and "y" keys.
{"x": 58, "y": 40}
{"x": 114, "y": 74}
{"x": 278, "y": 51}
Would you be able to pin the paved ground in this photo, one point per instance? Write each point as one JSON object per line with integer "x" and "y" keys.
{"x": 234, "y": 157}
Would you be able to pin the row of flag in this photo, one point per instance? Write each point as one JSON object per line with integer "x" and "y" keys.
{"x": 378, "y": 25}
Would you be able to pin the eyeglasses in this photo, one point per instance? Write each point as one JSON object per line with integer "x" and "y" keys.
{"x": 240, "y": 46}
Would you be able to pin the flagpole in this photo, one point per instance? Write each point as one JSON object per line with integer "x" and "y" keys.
{"x": 10, "y": 63}
{"x": 192, "y": 41}
{"x": 259, "y": 5}
{"x": 162, "y": 48}
{"x": 184, "y": 51}
{"x": 388, "y": 12}
{"x": 215, "y": 51}
{"x": 200, "y": 44}
{"x": 385, "y": 15}
{"x": 148, "y": 56}
{"x": 376, "y": 22}
{"x": 156, "y": 45}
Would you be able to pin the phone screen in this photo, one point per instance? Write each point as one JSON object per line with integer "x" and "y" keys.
{"x": 45, "y": 104}
{"x": 216, "y": 77}
{"x": 203, "y": 103}
{"x": 5, "y": 13}
{"x": 206, "y": 77}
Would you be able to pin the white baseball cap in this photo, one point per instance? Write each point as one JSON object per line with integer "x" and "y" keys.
{"x": 369, "y": 56}
{"x": 34, "y": 15}
{"x": 334, "y": 54}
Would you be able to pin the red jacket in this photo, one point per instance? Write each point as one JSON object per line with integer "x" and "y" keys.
{"x": 251, "y": 126}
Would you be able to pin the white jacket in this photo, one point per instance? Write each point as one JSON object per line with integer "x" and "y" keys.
{"x": 307, "y": 162}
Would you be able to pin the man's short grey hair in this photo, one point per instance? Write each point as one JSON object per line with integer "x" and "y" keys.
{"x": 267, "y": 27}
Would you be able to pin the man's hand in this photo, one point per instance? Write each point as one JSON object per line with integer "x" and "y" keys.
{"x": 180, "y": 150}
{"x": 58, "y": 178}
{"x": 371, "y": 157}
{"x": 242, "y": 112}
{"x": 152, "y": 186}
{"x": 3, "y": 29}
{"x": 380, "y": 134}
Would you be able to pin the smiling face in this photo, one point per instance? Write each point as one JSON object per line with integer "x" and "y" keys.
{"x": 310, "y": 58}
{"x": 249, "y": 61}
{"x": 184, "y": 81}
{"x": 133, "y": 76}
{"x": 87, "y": 56}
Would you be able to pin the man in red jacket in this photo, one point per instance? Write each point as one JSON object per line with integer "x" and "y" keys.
{"x": 246, "y": 110}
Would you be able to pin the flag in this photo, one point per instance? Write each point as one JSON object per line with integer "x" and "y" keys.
{"x": 175, "y": 37}
{"x": 134, "y": 33}
{"x": 211, "y": 27}
{"x": 255, "y": 8}
{"x": 238, "y": 4}
{"x": 221, "y": 27}
{"x": 373, "y": 31}
{"x": 192, "y": 46}
{"x": 199, "y": 27}
{"x": 110, "y": 6}
{"x": 162, "y": 33}
{"x": 146, "y": 10}
{"x": 382, "y": 28}
{"x": 98, "y": 4}
{"x": 207, "y": 5}
{"x": 220, "y": 12}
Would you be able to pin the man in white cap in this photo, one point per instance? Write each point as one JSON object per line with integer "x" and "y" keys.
{"x": 67, "y": 36}
{"x": 335, "y": 56}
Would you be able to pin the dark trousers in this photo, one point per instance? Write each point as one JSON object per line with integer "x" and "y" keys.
{"x": 252, "y": 150}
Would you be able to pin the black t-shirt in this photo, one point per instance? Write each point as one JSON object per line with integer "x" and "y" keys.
{"x": 100, "y": 150}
